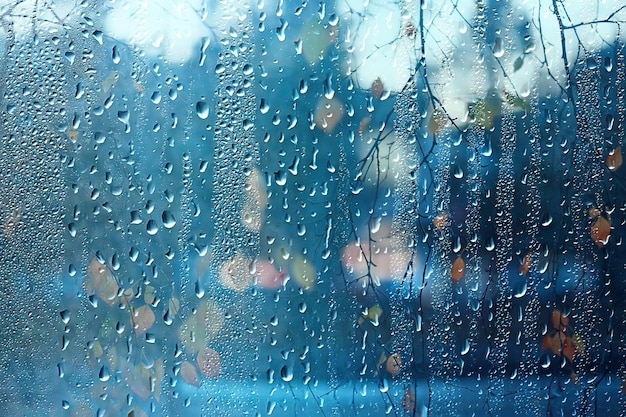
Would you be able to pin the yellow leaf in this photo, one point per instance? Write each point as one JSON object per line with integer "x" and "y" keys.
{"x": 315, "y": 40}
{"x": 174, "y": 306}
{"x": 303, "y": 272}
{"x": 149, "y": 294}
{"x": 97, "y": 349}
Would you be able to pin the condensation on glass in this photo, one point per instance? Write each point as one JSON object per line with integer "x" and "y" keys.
{"x": 341, "y": 208}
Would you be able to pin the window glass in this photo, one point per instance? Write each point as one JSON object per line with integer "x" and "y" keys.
{"x": 351, "y": 207}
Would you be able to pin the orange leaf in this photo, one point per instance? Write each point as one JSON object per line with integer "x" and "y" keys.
{"x": 614, "y": 160}
{"x": 458, "y": 270}
{"x": 189, "y": 373}
{"x": 365, "y": 122}
{"x": 209, "y": 362}
{"x": 600, "y": 231}
{"x": 594, "y": 212}
{"x": 377, "y": 88}
{"x": 143, "y": 319}
{"x": 525, "y": 266}
{"x": 408, "y": 401}
{"x": 441, "y": 221}
{"x": 559, "y": 321}
{"x": 394, "y": 364}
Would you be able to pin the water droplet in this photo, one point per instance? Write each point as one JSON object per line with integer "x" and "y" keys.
{"x": 70, "y": 56}
{"x": 280, "y": 177}
{"x": 465, "y": 347}
{"x": 152, "y": 227}
{"x": 169, "y": 221}
{"x": 457, "y": 172}
{"x": 104, "y": 374}
{"x": 329, "y": 92}
{"x": 498, "y": 48}
{"x": 286, "y": 373}
{"x": 202, "y": 109}
{"x": 156, "y": 97}
{"x": 115, "y": 55}
{"x": 280, "y": 30}
{"x": 264, "y": 107}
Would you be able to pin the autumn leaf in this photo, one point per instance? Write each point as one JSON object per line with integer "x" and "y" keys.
{"x": 267, "y": 276}
{"x": 594, "y": 213}
{"x": 173, "y": 306}
{"x": 377, "y": 88}
{"x": 201, "y": 327}
{"x": 373, "y": 314}
{"x": 149, "y": 294}
{"x": 189, "y": 374}
{"x": 437, "y": 122}
{"x": 394, "y": 364}
{"x": 235, "y": 273}
{"x": 559, "y": 320}
{"x": 440, "y": 221}
{"x": 303, "y": 272}
{"x": 601, "y": 231}
{"x": 365, "y": 122}
{"x": 408, "y": 401}
{"x": 143, "y": 319}
{"x": 209, "y": 363}
{"x": 614, "y": 160}
{"x": 458, "y": 270}
{"x": 101, "y": 282}
{"x": 315, "y": 39}
{"x": 525, "y": 266}
{"x": 328, "y": 114}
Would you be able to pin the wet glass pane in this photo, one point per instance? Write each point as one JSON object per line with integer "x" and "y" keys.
{"x": 341, "y": 208}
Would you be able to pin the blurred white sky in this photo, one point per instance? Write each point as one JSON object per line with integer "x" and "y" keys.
{"x": 377, "y": 31}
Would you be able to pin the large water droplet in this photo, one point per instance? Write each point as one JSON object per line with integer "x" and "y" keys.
{"x": 286, "y": 373}
{"x": 169, "y": 220}
{"x": 202, "y": 109}
{"x": 152, "y": 227}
